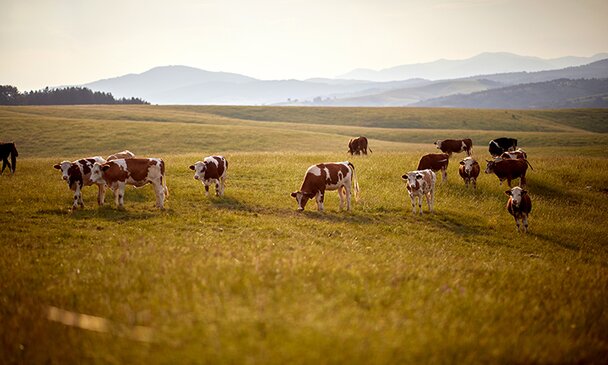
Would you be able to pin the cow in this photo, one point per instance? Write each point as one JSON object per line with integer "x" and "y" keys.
{"x": 327, "y": 176}
{"x": 212, "y": 169}
{"x": 77, "y": 174}
{"x": 435, "y": 162}
{"x": 517, "y": 154}
{"x": 519, "y": 205}
{"x": 122, "y": 154}
{"x": 508, "y": 170}
{"x": 8, "y": 149}
{"x": 421, "y": 183}
{"x": 358, "y": 145}
{"x": 450, "y": 146}
{"x": 469, "y": 171}
{"x": 138, "y": 172}
{"x": 499, "y": 145}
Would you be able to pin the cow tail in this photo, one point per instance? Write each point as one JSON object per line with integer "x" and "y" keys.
{"x": 370, "y": 149}
{"x": 355, "y": 182}
{"x": 164, "y": 179}
{"x": 528, "y": 162}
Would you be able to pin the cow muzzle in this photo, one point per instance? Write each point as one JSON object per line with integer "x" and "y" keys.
{"x": 64, "y": 178}
{"x": 196, "y": 177}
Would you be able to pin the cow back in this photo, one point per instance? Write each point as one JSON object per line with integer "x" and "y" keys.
{"x": 433, "y": 161}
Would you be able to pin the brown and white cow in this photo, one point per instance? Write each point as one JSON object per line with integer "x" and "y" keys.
{"x": 450, "y": 146}
{"x": 212, "y": 169}
{"x": 517, "y": 154}
{"x": 327, "y": 176}
{"x": 508, "y": 170}
{"x": 519, "y": 205}
{"x": 358, "y": 145}
{"x": 435, "y": 162}
{"x": 469, "y": 171}
{"x": 138, "y": 172}
{"x": 421, "y": 183}
{"x": 122, "y": 154}
{"x": 78, "y": 175}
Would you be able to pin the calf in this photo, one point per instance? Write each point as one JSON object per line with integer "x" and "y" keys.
{"x": 133, "y": 171}
{"x": 211, "y": 169}
{"x": 435, "y": 162}
{"x": 519, "y": 205}
{"x": 8, "y": 149}
{"x": 508, "y": 170}
{"x": 421, "y": 183}
{"x": 122, "y": 154}
{"x": 499, "y": 145}
{"x": 450, "y": 146}
{"x": 358, "y": 145}
{"x": 469, "y": 171}
{"x": 327, "y": 176}
{"x": 78, "y": 175}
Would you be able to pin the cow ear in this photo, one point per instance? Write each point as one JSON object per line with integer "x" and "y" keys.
{"x": 462, "y": 162}
{"x": 404, "y": 177}
{"x": 57, "y": 166}
{"x": 508, "y": 192}
{"x": 294, "y": 194}
{"x": 191, "y": 167}
{"x": 105, "y": 167}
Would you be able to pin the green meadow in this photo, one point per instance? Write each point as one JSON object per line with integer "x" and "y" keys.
{"x": 246, "y": 279}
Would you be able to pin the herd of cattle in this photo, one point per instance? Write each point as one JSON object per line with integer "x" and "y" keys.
{"x": 124, "y": 168}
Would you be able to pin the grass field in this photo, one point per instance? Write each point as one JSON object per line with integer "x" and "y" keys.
{"x": 247, "y": 279}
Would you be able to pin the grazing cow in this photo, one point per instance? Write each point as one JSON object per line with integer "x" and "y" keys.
{"x": 517, "y": 154}
{"x": 450, "y": 146}
{"x": 499, "y": 145}
{"x": 211, "y": 169}
{"x": 421, "y": 183}
{"x": 519, "y": 205}
{"x": 508, "y": 170}
{"x": 469, "y": 171}
{"x": 327, "y": 176}
{"x": 435, "y": 162}
{"x": 138, "y": 172}
{"x": 8, "y": 149}
{"x": 122, "y": 154}
{"x": 358, "y": 145}
{"x": 78, "y": 175}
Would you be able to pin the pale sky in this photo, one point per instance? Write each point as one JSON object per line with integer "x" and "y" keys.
{"x": 62, "y": 42}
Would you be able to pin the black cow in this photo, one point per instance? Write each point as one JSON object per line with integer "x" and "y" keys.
{"x": 499, "y": 145}
{"x": 8, "y": 149}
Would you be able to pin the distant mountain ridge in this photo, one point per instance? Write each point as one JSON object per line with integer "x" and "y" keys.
{"x": 560, "y": 93}
{"x": 189, "y": 85}
{"x": 482, "y": 64}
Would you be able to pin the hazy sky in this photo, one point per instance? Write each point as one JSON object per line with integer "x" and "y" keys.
{"x": 59, "y": 42}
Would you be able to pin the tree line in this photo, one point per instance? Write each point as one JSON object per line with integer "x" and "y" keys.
{"x": 10, "y": 95}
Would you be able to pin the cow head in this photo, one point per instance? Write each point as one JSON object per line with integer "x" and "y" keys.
{"x": 302, "y": 198}
{"x": 438, "y": 143}
{"x": 412, "y": 180}
{"x": 516, "y": 195}
{"x": 490, "y": 167}
{"x": 199, "y": 169}
{"x": 468, "y": 163}
{"x": 97, "y": 172}
{"x": 64, "y": 167}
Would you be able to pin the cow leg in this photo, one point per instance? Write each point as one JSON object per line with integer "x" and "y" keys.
{"x": 522, "y": 180}
{"x": 347, "y": 192}
{"x": 4, "y": 164}
{"x": 516, "y": 222}
{"x": 430, "y": 200}
{"x": 444, "y": 173}
{"x": 412, "y": 198}
{"x": 217, "y": 187}
{"x": 319, "y": 198}
{"x": 474, "y": 181}
{"x": 509, "y": 182}
{"x": 341, "y": 195}
{"x": 101, "y": 194}
{"x": 206, "y": 183}
{"x": 222, "y": 185}
{"x": 121, "y": 195}
{"x": 525, "y": 221}
{"x": 160, "y": 195}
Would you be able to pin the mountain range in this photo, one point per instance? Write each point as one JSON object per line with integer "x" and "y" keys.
{"x": 188, "y": 85}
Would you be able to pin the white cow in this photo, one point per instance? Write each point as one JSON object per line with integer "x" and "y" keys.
{"x": 421, "y": 183}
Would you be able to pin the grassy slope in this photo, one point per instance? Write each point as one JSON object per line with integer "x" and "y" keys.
{"x": 247, "y": 279}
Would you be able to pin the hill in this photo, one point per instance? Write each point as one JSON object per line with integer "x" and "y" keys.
{"x": 482, "y": 64}
{"x": 562, "y": 93}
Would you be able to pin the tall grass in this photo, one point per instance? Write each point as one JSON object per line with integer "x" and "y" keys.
{"x": 247, "y": 279}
